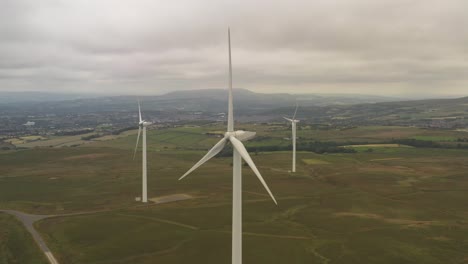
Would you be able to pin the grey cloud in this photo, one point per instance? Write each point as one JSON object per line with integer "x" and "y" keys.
{"x": 361, "y": 46}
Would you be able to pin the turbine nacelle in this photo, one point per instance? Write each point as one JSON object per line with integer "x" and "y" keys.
{"x": 292, "y": 120}
{"x": 240, "y": 135}
{"x": 144, "y": 123}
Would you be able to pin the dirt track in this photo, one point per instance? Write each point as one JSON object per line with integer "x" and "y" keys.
{"x": 28, "y": 221}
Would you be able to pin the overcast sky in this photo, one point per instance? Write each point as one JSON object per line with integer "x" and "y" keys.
{"x": 385, "y": 47}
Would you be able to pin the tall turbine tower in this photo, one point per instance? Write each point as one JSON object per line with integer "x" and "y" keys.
{"x": 293, "y": 121}
{"x": 142, "y": 126}
{"x": 239, "y": 153}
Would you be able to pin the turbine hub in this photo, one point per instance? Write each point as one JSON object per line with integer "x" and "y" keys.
{"x": 144, "y": 123}
{"x": 240, "y": 135}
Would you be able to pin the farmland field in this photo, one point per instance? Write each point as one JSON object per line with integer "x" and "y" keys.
{"x": 391, "y": 205}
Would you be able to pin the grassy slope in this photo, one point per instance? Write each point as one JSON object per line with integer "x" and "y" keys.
{"x": 398, "y": 205}
{"x": 16, "y": 244}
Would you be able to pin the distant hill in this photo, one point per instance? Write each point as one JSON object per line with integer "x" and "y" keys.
{"x": 207, "y": 100}
{"x": 248, "y": 102}
{"x": 23, "y": 97}
{"x": 251, "y": 106}
{"x": 244, "y": 95}
{"x": 431, "y": 112}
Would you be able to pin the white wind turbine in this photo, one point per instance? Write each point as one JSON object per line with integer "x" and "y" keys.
{"x": 293, "y": 121}
{"x": 142, "y": 124}
{"x": 239, "y": 153}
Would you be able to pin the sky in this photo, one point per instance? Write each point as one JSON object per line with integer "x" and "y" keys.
{"x": 385, "y": 47}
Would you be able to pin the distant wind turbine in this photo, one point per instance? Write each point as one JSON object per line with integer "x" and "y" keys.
{"x": 293, "y": 121}
{"x": 239, "y": 153}
{"x": 142, "y": 124}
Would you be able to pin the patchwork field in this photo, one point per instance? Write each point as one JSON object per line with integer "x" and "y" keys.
{"x": 391, "y": 205}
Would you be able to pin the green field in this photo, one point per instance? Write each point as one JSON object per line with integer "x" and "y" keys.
{"x": 435, "y": 138}
{"x": 16, "y": 244}
{"x": 391, "y": 205}
{"x": 315, "y": 162}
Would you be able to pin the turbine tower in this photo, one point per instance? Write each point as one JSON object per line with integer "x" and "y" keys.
{"x": 293, "y": 121}
{"x": 239, "y": 153}
{"x": 142, "y": 124}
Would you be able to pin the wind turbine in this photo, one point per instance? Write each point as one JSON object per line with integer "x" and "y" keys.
{"x": 239, "y": 153}
{"x": 293, "y": 121}
{"x": 142, "y": 124}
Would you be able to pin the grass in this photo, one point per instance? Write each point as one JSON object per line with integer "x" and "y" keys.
{"x": 386, "y": 148}
{"x": 28, "y": 138}
{"x": 54, "y": 141}
{"x": 379, "y": 146}
{"x": 392, "y": 205}
{"x": 315, "y": 162}
{"x": 149, "y": 237}
{"x": 435, "y": 138}
{"x": 16, "y": 244}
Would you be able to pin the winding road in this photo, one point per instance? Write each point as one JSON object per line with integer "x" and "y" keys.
{"x": 28, "y": 221}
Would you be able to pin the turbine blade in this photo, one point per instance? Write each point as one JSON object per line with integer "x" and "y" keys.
{"x": 138, "y": 139}
{"x": 139, "y": 110}
{"x": 213, "y": 151}
{"x": 230, "y": 106}
{"x": 290, "y": 120}
{"x": 295, "y": 112}
{"x": 245, "y": 155}
{"x": 245, "y": 135}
